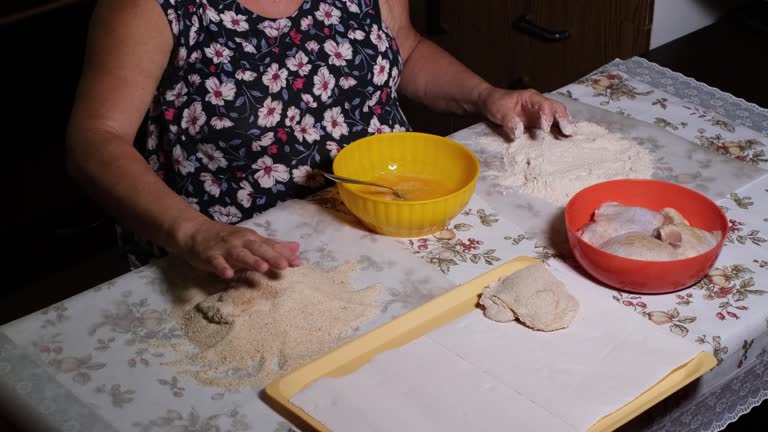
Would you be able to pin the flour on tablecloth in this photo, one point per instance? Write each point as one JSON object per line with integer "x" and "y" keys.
{"x": 555, "y": 168}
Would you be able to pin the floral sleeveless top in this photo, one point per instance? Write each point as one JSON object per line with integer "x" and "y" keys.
{"x": 249, "y": 109}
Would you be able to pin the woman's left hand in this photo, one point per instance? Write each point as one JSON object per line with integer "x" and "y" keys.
{"x": 517, "y": 110}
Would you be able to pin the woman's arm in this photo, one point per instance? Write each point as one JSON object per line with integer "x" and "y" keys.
{"x": 433, "y": 77}
{"x": 129, "y": 46}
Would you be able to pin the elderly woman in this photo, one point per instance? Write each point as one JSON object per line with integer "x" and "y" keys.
{"x": 193, "y": 115}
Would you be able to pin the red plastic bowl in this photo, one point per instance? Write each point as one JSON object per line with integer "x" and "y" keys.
{"x": 647, "y": 277}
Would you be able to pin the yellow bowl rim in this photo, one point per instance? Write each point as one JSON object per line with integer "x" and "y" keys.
{"x": 461, "y": 147}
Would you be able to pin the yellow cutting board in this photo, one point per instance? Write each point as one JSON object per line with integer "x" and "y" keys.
{"x": 427, "y": 317}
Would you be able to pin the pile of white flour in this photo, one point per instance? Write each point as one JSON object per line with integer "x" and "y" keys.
{"x": 555, "y": 168}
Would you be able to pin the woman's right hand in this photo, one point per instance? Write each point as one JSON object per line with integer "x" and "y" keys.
{"x": 223, "y": 249}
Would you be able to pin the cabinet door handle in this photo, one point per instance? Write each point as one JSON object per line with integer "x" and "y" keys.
{"x": 528, "y": 27}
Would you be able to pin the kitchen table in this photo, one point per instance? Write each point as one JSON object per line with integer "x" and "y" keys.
{"x": 89, "y": 362}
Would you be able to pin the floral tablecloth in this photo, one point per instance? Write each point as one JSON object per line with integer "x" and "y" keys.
{"x": 727, "y": 312}
{"x": 88, "y": 364}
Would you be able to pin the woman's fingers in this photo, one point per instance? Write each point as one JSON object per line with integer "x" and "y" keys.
{"x": 243, "y": 258}
{"x": 265, "y": 250}
{"x": 225, "y": 249}
{"x": 289, "y": 250}
{"x": 263, "y": 254}
{"x": 517, "y": 110}
{"x": 549, "y": 112}
{"x": 565, "y": 125}
{"x": 292, "y": 246}
{"x": 564, "y": 120}
{"x": 221, "y": 267}
{"x": 545, "y": 120}
{"x": 514, "y": 127}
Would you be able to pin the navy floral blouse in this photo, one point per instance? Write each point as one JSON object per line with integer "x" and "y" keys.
{"x": 250, "y": 109}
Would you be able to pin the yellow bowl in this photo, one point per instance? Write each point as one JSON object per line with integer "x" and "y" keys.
{"x": 407, "y": 153}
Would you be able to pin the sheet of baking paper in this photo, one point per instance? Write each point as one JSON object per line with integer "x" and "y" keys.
{"x": 476, "y": 374}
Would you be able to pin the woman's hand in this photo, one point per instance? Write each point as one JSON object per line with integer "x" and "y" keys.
{"x": 517, "y": 110}
{"x": 221, "y": 248}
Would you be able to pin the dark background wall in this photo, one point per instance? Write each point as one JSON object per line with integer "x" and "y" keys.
{"x": 51, "y": 226}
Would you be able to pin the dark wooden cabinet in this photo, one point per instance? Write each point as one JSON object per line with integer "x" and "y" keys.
{"x": 600, "y": 31}
{"x": 491, "y": 38}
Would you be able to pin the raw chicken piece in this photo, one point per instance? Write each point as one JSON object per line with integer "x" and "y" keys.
{"x": 672, "y": 216}
{"x": 640, "y": 246}
{"x": 634, "y": 232}
{"x": 689, "y": 241}
{"x": 534, "y": 296}
{"x": 613, "y": 219}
